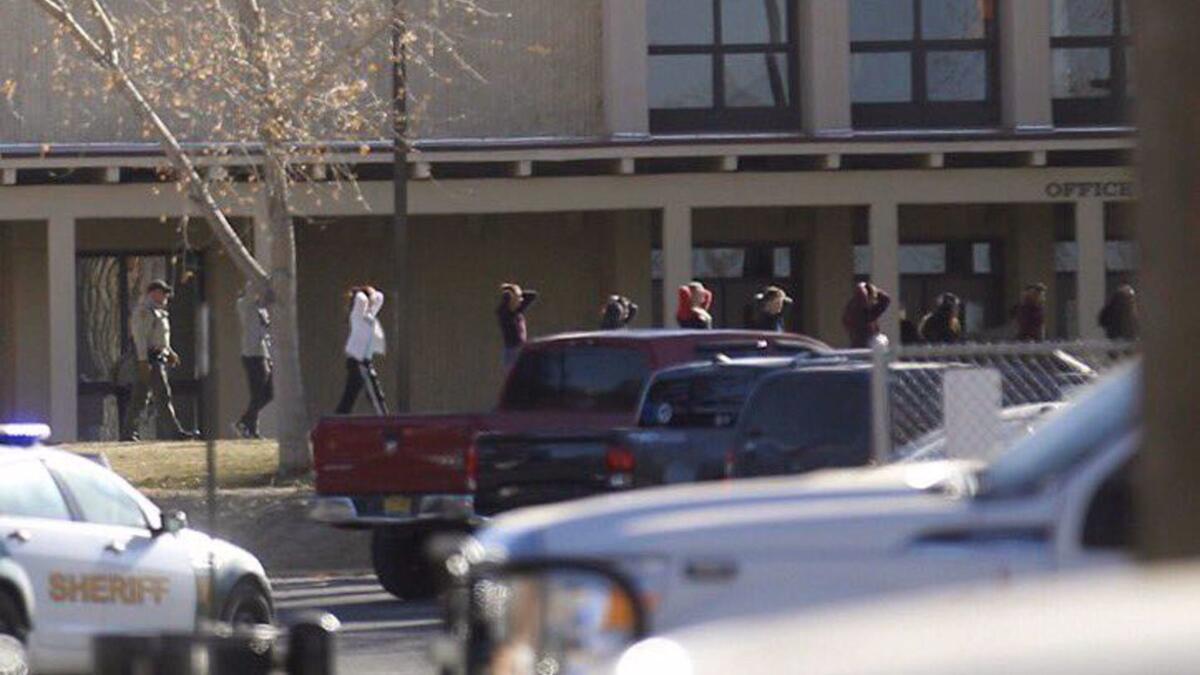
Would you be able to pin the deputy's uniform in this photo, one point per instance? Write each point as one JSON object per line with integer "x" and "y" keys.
{"x": 150, "y": 327}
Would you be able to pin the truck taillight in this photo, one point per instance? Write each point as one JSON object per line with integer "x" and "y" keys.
{"x": 471, "y": 465}
{"x": 619, "y": 460}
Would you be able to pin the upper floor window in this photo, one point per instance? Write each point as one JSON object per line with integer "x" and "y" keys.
{"x": 924, "y": 63}
{"x": 1093, "y": 61}
{"x": 722, "y": 65}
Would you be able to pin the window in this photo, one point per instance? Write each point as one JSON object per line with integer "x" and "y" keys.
{"x": 597, "y": 379}
{"x": 923, "y": 63}
{"x": 702, "y": 400}
{"x": 28, "y": 491}
{"x": 1110, "y": 522}
{"x": 912, "y": 258}
{"x": 722, "y": 65}
{"x": 812, "y": 419}
{"x": 101, "y": 496}
{"x": 1092, "y": 61}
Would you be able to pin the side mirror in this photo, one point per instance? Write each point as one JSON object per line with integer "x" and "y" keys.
{"x": 578, "y": 615}
{"x": 173, "y": 522}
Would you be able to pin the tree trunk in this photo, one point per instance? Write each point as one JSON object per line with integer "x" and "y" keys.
{"x": 291, "y": 407}
{"x": 1169, "y": 232}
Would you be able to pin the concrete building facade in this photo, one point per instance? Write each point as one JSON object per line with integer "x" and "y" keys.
{"x": 627, "y": 146}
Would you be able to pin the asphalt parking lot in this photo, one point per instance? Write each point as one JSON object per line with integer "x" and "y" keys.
{"x": 379, "y": 634}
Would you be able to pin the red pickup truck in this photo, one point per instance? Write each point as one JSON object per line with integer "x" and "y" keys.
{"x": 407, "y": 477}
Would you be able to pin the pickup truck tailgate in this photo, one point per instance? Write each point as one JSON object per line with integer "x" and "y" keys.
{"x": 525, "y": 469}
{"x": 387, "y": 455}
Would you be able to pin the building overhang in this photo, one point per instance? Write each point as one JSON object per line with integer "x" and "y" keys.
{"x": 449, "y": 159}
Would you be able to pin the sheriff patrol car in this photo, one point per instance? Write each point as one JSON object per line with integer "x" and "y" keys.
{"x": 83, "y": 553}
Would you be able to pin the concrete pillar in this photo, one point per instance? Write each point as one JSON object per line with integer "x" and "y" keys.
{"x": 1025, "y": 65}
{"x": 676, "y": 256}
{"x": 626, "y": 67}
{"x": 1030, "y": 259}
{"x": 884, "y": 235}
{"x": 1090, "y": 279}
{"x": 824, "y": 29}
{"x": 829, "y": 274}
{"x": 60, "y": 285}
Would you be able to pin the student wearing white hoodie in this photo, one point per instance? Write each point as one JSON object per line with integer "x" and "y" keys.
{"x": 365, "y": 341}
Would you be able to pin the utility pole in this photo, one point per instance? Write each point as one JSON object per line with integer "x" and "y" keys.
{"x": 1168, "y": 492}
{"x": 400, "y": 301}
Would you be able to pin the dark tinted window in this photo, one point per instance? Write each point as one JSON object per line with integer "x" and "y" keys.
{"x": 1110, "y": 519}
{"x": 27, "y": 490}
{"x": 705, "y": 399}
{"x": 923, "y": 63}
{"x": 601, "y": 379}
{"x": 813, "y": 409}
{"x": 722, "y": 64}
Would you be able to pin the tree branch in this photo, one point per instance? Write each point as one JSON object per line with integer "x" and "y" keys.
{"x": 197, "y": 188}
{"x": 110, "y": 30}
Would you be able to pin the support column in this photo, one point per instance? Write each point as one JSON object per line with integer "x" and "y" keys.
{"x": 884, "y": 234}
{"x": 1090, "y": 280}
{"x": 626, "y": 68}
{"x": 1025, "y": 65}
{"x": 60, "y": 289}
{"x": 676, "y": 256}
{"x": 829, "y": 274}
{"x": 824, "y": 29}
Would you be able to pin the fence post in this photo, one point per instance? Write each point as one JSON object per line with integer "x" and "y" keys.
{"x": 881, "y": 425}
{"x": 312, "y": 646}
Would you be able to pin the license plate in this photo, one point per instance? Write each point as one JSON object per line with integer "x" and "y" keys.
{"x": 397, "y": 505}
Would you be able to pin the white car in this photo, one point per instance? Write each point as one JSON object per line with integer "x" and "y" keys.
{"x": 1119, "y": 622}
{"x": 1058, "y": 499}
{"x": 83, "y": 553}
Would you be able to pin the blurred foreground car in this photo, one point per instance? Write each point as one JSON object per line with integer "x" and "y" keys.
{"x": 83, "y": 553}
{"x": 1117, "y": 622}
{"x": 1058, "y": 499}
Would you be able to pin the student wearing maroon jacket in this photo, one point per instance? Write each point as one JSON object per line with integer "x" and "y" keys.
{"x": 1031, "y": 314}
{"x": 861, "y": 316}
{"x": 514, "y": 301}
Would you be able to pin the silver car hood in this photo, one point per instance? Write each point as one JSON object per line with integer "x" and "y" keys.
{"x": 692, "y": 517}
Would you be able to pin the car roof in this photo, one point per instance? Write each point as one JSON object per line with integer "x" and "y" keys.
{"x": 642, "y": 335}
{"x": 14, "y": 453}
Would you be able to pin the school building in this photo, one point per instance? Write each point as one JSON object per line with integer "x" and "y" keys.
{"x": 616, "y": 146}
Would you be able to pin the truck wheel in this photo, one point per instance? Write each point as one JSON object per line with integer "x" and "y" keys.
{"x": 401, "y": 566}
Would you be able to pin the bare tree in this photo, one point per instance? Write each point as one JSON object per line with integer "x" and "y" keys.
{"x": 278, "y": 88}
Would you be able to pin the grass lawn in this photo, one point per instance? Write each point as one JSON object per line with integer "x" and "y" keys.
{"x": 181, "y": 466}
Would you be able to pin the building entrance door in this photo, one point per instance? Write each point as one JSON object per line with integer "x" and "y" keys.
{"x": 109, "y": 286}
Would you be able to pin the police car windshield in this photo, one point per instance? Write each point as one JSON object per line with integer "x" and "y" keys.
{"x": 103, "y": 497}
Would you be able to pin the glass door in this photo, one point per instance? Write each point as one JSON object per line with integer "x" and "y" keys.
{"x": 109, "y": 286}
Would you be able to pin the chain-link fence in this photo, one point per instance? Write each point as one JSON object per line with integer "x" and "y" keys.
{"x": 971, "y": 400}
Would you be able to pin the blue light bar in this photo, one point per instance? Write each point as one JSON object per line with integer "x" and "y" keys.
{"x": 23, "y": 435}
